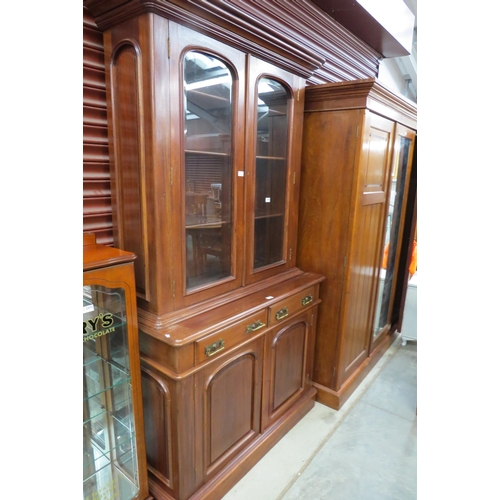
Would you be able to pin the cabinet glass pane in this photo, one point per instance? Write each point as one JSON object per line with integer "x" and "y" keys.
{"x": 208, "y": 116}
{"x": 109, "y": 443}
{"x": 392, "y": 233}
{"x": 270, "y": 172}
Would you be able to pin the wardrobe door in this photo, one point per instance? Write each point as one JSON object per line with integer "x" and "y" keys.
{"x": 393, "y": 232}
{"x": 369, "y": 220}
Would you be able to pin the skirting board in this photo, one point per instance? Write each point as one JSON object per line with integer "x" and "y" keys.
{"x": 336, "y": 399}
{"x": 216, "y": 488}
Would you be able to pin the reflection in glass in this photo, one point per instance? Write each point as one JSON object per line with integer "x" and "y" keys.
{"x": 392, "y": 233}
{"x": 208, "y": 120}
{"x": 270, "y": 172}
{"x": 109, "y": 446}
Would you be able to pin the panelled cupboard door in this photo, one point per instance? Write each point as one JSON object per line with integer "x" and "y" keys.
{"x": 288, "y": 364}
{"x": 207, "y": 96}
{"x": 371, "y": 198}
{"x": 228, "y": 402}
{"x": 275, "y": 106}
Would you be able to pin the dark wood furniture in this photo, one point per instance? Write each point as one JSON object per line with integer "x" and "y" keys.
{"x": 114, "y": 456}
{"x": 226, "y": 319}
{"x": 357, "y": 199}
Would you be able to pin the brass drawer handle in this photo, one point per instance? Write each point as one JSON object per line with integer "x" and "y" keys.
{"x": 255, "y": 326}
{"x": 282, "y": 313}
{"x": 214, "y": 348}
{"x": 307, "y": 300}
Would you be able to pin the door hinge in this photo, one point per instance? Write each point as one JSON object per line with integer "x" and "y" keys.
{"x": 290, "y": 254}
{"x": 334, "y": 371}
{"x": 357, "y": 128}
{"x": 194, "y": 392}
{"x": 173, "y": 288}
{"x": 294, "y": 177}
{"x": 171, "y": 176}
{"x": 345, "y": 260}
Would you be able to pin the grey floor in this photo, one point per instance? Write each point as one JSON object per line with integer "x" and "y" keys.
{"x": 365, "y": 451}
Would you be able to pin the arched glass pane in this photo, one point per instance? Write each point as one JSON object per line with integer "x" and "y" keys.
{"x": 270, "y": 172}
{"x": 208, "y": 117}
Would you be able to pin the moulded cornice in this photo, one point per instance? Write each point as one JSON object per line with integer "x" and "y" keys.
{"x": 362, "y": 94}
{"x": 294, "y": 34}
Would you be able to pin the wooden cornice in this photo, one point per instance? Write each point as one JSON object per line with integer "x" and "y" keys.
{"x": 362, "y": 94}
{"x": 293, "y": 34}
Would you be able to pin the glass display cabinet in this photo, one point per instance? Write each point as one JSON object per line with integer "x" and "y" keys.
{"x": 113, "y": 449}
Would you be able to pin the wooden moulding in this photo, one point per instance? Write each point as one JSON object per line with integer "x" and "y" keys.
{"x": 291, "y": 282}
{"x": 368, "y": 94}
{"x": 96, "y": 256}
{"x": 336, "y": 399}
{"x": 224, "y": 480}
{"x": 295, "y": 35}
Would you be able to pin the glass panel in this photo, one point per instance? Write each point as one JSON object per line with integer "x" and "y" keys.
{"x": 392, "y": 232}
{"x": 270, "y": 172}
{"x": 208, "y": 119}
{"x": 109, "y": 444}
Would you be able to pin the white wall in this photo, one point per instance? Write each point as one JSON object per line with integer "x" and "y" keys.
{"x": 392, "y": 72}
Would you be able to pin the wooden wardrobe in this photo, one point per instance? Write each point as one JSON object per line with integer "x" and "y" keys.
{"x": 357, "y": 212}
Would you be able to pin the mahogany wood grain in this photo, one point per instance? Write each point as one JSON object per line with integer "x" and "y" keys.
{"x": 349, "y": 137}
{"x": 229, "y": 403}
{"x": 336, "y": 398}
{"x": 204, "y": 412}
{"x": 114, "y": 269}
{"x": 366, "y": 244}
{"x": 256, "y": 69}
{"x": 295, "y": 35}
{"x": 287, "y": 365}
{"x": 328, "y": 169}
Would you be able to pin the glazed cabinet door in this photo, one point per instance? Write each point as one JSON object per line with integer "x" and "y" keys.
{"x": 404, "y": 143}
{"x": 206, "y": 88}
{"x": 288, "y": 364}
{"x": 274, "y": 138}
{"x": 370, "y": 202}
{"x": 227, "y": 407}
{"x": 114, "y": 462}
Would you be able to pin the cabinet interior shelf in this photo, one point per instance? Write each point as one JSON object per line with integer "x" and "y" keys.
{"x": 207, "y": 153}
{"x": 119, "y": 377}
{"x": 204, "y": 222}
{"x": 273, "y": 158}
{"x": 267, "y": 216}
{"x": 104, "y": 458}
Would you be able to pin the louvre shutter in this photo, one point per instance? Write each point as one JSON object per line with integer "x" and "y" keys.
{"x": 96, "y": 176}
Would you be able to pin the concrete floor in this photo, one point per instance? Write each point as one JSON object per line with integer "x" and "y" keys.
{"x": 365, "y": 451}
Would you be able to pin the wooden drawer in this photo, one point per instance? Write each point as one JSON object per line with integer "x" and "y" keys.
{"x": 295, "y": 303}
{"x": 218, "y": 342}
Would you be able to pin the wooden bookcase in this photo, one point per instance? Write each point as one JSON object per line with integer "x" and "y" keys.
{"x": 205, "y": 143}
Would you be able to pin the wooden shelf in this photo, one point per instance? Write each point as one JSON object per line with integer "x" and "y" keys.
{"x": 207, "y": 153}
